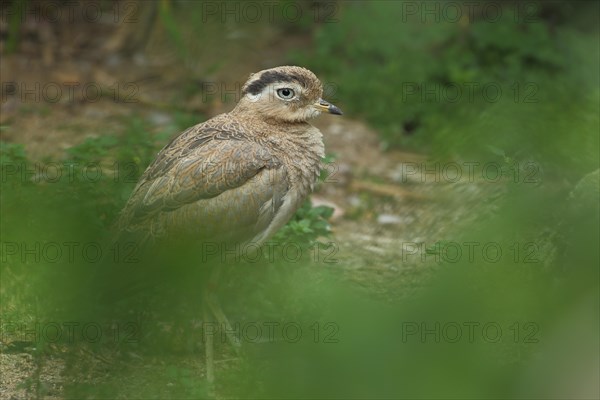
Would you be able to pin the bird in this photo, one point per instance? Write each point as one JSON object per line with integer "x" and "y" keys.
{"x": 238, "y": 177}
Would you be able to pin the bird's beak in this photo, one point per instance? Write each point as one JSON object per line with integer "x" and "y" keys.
{"x": 322, "y": 105}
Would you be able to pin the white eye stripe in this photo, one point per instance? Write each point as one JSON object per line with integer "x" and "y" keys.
{"x": 253, "y": 97}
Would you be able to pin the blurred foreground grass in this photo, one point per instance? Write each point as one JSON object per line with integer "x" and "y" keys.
{"x": 478, "y": 329}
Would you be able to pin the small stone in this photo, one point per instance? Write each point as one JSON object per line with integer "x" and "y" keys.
{"x": 389, "y": 219}
{"x": 159, "y": 119}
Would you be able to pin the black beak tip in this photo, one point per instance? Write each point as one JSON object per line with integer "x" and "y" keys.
{"x": 334, "y": 110}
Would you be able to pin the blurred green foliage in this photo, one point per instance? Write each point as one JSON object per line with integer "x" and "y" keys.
{"x": 524, "y": 81}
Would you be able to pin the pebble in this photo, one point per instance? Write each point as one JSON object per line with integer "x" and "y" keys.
{"x": 389, "y": 219}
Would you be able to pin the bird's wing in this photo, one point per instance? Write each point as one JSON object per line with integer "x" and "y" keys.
{"x": 202, "y": 163}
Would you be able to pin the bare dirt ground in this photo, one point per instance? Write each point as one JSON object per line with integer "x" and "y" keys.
{"x": 378, "y": 208}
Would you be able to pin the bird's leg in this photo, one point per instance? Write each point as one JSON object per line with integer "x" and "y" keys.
{"x": 208, "y": 344}
{"x": 210, "y": 308}
{"x": 224, "y": 324}
{"x": 218, "y": 313}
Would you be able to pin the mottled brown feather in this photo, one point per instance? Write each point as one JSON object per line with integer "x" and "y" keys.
{"x": 236, "y": 177}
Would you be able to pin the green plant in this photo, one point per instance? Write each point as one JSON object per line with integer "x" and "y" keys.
{"x": 308, "y": 224}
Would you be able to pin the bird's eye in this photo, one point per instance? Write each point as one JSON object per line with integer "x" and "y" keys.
{"x": 285, "y": 93}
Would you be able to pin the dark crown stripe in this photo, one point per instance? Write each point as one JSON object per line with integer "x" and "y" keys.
{"x": 271, "y": 77}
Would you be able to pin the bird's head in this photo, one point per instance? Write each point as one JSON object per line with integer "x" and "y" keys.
{"x": 285, "y": 94}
